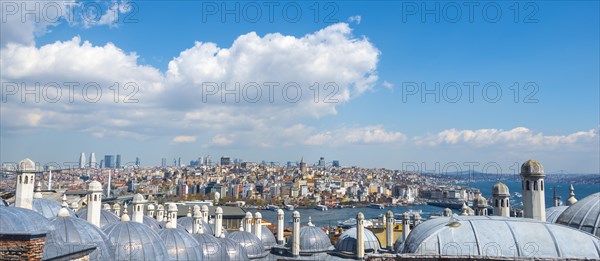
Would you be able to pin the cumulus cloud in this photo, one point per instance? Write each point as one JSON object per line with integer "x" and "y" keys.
{"x": 517, "y": 137}
{"x": 221, "y": 140}
{"x": 388, "y": 85}
{"x": 184, "y": 139}
{"x": 360, "y": 135}
{"x": 355, "y": 19}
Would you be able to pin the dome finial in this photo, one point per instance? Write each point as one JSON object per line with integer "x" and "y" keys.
{"x": 571, "y": 200}
{"x": 310, "y": 222}
{"x": 63, "y": 212}
{"x": 189, "y": 214}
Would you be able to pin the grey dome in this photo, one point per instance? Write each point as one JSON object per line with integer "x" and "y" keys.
{"x": 235, "y": 251}
{"x": 72, "y": 230}
{"x": 211, "y": 247}
{"x": 495, "y": 236}
{"x": 48, "y": 208}
{"x": 583, "y": 215}
{"x": 553, "y": 213}
{"x": 500, "y": 189}
{"x": 532, "y": 168}
{"x": 267, "y": 237}
{"x": 152, "y": 223}
{"x": 106, "y": 217}
{"x": 312, "y": 240}
{"x": 21, "y": 220}
{"x": 180, "y": 244}
{"x": 188, "y": 224}
{"x": 135, "y": 241}
{"x": 254, "y": 247}
{"x": 346, "y": 244}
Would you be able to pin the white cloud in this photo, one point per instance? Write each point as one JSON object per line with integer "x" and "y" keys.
{"x": 359, "y": 135}
{"x": 184, "y": 139}
{"x": 517, "y": 137}
{"x": 388, "y": 85}
{"x": 221, "y": 140}
{"x": 355, "y": 19}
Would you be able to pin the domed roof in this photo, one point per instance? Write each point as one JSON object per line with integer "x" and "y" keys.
{"x": 583, "y": 215}
{"x": 95, "y": 186}
{"x": 254, "y": 247}
{"x": 68, "y": 229}
{"x": 553, "y": 213}
{"x": 532, "y": 168}
{"x": 48, "y": 208}
{"x": 26, "y": 165}
{"x": 496, "y": 236}
{"x": 346, "y": 244}
{"x": 187, "y": 223}
{"x": 211, "y": 247}
{"x": 135, "y": 241}
{"x": 106, "y": 217}
{"x": 500, "y": 189}
{"x": 137, "y": 198}
{"x": 312, "y": 240}
{"x": 234, "y": 250}
{"x": 22, "y": 220}
{"x": 152, "y": 223}
{"x": 480, "y": 201}
{"x": 267, "y": 237}
{"x": 180, "y": 244}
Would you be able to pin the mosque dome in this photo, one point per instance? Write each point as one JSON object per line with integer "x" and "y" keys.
{"x": 211, "y": 247}
{"x": 553, "y": 213}
{"x": 106, "y": 217}
{"x": 234, "y": 250}
{"x": 480, "y": 201}
{"x": 583, "y": 215}
{"x": 346, "y": 244}
{"x": 180, "y": 244}
{"x": 495, "y": 236}
{"x": 532, "y": 168}
{"x": 188, "y": 224}
{"x": 312, "y": 240}
{"x": 71, "y": 230}
{"x": 152, "y": 223}
{"x": 267, "y": 237}
{"x": 500, "y": 189}
{"x": 21, "y": 220}
{"x": 135, "y": 241}
{"x": 48, "y": 208}
{"x": 253, "y": 245}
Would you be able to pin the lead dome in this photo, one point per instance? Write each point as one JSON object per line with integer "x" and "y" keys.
{"x": 21, "y": 220}
{"x": 253, "y": 245}
{"x": 235, "y": 251}
{"x": 532, "y": 168}
{"x": 48, "y": 208}
{"x": 500, "y": 189}
{"x": 135, "y": 241}
{"x": 180, "y": 244}
{"x": 346, "y": 244}
{"x": 312, "y": 240}
{"x": 583, "y": 215}
{"x": 106, "y": 217}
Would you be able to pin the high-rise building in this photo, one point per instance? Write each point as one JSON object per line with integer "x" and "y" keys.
{"x": 118, "y": 163}
{"x": 82, "y": 160}
{"x": 335, "y": 163}
{"x": 93, "y": 160}
{"x": 137, "y": 161}
{"x": 225, "y": 161}
{"x": 163, "y": 163}
{"x": 321, "y": 162}
{"x": 101, "y": 164}
{"x": 109, "y": 161}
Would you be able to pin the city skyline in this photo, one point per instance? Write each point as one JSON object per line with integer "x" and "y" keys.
{"x": 388, "y": 91}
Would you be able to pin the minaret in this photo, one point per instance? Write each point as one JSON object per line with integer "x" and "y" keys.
{"x": 571, "y": 200}
{"x": 296, "y": 234}
{"x": 480, "y": 205}
{"x": 94, "y": 205}
{"x": 197, "y": 220}
{"x": 257, "y": 224}
{"x": 405, "y": 225}
{"x": 138, "y": 208}
{"x": 360, "y": 235}
{"x": 532, "y": 181}
{"x": 109, "y": 184}
{"x": 117, "y": 209}
{"x": 219, "y": 221}
{"x": 248, "y": 222}
{"x": 25, "y": 183}
{"x": 173, "y": 213}
{"x": 160, "y": 213}
{"x": 106, "y": 207}
{"x": 150, "y": 209}
{"x": 280, "y": 224}
{"x": 501, "y": 200}
{"x": 417, "y": 217}
{"x": 389, "y": 230}
{"x": 82, "y": 160}
{"x": 49, "y": 179}
{"x": 204, "y": 211}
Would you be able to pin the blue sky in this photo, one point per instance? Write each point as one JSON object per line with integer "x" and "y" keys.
{"x": 552, "y": 45}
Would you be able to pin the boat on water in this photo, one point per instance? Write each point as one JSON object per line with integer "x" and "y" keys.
{"x": 377, "y": 206}
{"x": 338, "y": 206}
{"x": 321, "y": 207}
{"x": 351, "y": 222}
{"x": 518, "y": 195}
{"x": 289, "y": 207}
{"x": 272, "y": 207}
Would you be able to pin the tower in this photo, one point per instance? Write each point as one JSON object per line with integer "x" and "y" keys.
{"x": 280, "y": 237}
{"x": 405, "y": 225}
{"x": 480, "y": 205}
{"x": 94, "y": 202}
{"x": 204, "y": 211}
{"x": 173, "y": 214}
{"x": 557, "y": 199}
{"x": 248, "y": 221}
{"x": 302, "y": 166}
{"x": 500, "y": 200}
{"x": 219, "y": 221}
{"x": 389, "y": 230}
{"x": 296, "y": 234}
{"x": 571, "y": 200}
{"x": 532, "y": 182}
{"x": 25, "y": 184}
{"x": 360, "y": 235}
{"x": 138, "y": 208}
{"x": 160, "y": 213}
{"x": 92, "y": 160}
{"x": 257, "y": 224}
{"x": 82, "y": 160}
{"x": 118, "y": 161}
{"x": 197, "y": 220}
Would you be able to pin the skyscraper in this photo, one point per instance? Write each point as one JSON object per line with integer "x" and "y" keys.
{"x": 93, "y": 160}
{"x": 118, "y": 165}
{"x": 109, "y": 161}
{"x": 163, "y": 162}
{"x": 137, "y": 161}
{"x": 321, "y": 162}
{"x": 82, "y": 160}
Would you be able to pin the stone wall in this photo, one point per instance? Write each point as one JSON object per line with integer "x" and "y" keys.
{"x": 30, "y": 247}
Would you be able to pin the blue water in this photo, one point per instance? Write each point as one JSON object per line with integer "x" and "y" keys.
{"x": 333, "y": 216}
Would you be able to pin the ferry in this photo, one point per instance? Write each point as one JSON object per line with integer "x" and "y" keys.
{"x": 272, "y": 207}
{"x": 377, "y": 206}
{"x": 289, "y": 207}
{"x": 321, "y": 207}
